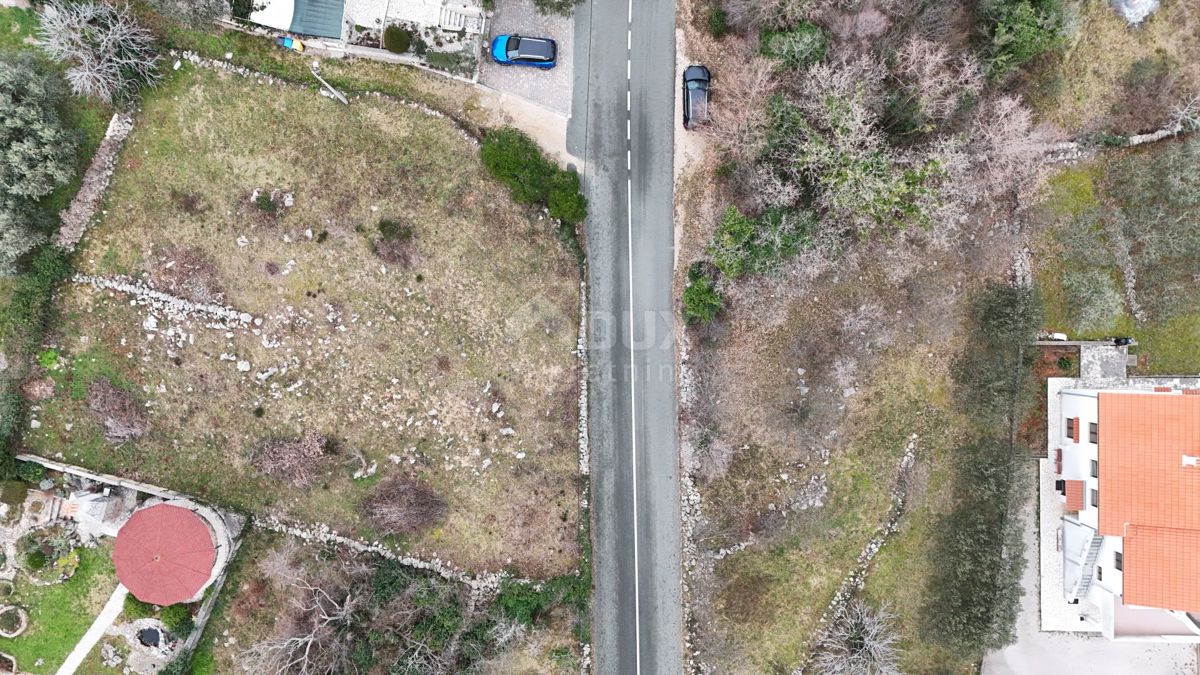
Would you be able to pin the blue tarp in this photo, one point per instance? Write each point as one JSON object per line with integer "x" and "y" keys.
{"x": 322, "y": 18}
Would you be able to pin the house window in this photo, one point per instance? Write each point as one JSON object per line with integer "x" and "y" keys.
{"x": 1095, "y": 498}
{"x": 1095, "y": 469}
{"x": 1118, "y": 560}
{"x": 1099, "y": 573}
{"x": 1093, "y": 432}
{"x": 1071, "y": 428}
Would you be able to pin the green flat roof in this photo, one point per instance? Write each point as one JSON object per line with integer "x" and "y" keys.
{"x": 322, "y": 18}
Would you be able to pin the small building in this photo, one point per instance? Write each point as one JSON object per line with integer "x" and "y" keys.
{"x": 322, "y": 18}
{"x": 168, "y": 553}
{"x": 1127, "y": 472}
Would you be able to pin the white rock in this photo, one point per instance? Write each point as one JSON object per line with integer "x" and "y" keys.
{"x": 520, "y": 455}
{"x": 243, "y": 366}
{"x": 177, "y": 65}
{"x": 35, "y": 424}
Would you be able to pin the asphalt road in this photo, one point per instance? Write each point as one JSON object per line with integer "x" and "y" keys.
{"x": 622, "y": 127}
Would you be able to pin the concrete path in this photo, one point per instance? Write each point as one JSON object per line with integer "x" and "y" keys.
{"x": 547, "y": 127}
{"x": 623, "y": 126}
{"x": 112, "y": 609}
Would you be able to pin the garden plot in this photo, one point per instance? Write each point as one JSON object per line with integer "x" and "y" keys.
{"x": 289, "y": 302}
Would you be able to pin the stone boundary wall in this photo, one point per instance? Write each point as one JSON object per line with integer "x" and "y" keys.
{"x": 78, "y": 215}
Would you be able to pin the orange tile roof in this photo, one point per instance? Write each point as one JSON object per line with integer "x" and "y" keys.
{"x": 1161, "y": 566}
{"x": 1075, "y": 495}
{"x": 1143, "y": 481}
{"x": 1150, "y": 496}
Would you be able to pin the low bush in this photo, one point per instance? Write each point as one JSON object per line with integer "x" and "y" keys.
{"x": 396, "y": 39}
{"x": 178, "y": 619}
{"x": 560, "y": 7}
{"x": 35, "y": 559}
{"x": 702, "y": 300}
{"x": 798, "y": 47}
{"x": 1094, "y": 301}
{"x": 743, "y": 245}
{"x": 718, "y": 22}
{"x": 515, "y": 160}
{"x": 135, "y": 609}
{"x": 528, "y": 603}
{"x": 457, "y": 63}
{"x": 395, "y": 230}
{"x": 31, "y": 472}
{"x": 265, "y": 204}
{"x": 403, "y": 506}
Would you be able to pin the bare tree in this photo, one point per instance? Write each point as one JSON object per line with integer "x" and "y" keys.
{"x": 739, "y": 119}
{"x": 1186, "y": 116}
{"x": 937, "y": 80}
{"x": 111, "y": 55}
{"x": 859, "y": 641}
{"x": 403, "y": 505}
{"x": 1006, "y": 149}
{"x": 319, "y": 647}
{"x": 296, "y": 461}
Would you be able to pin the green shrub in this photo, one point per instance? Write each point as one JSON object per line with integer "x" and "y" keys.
{"x": 742, "y": 245}
{"x": 1094, "y": 301}
{"x": 389, "y": 580}
{"x": 1018, "y": 31}
{"x": 731, "y": 243}
{"x": 515, "y": 160}
{"x": 264, "y": 203}
{"x": 564, "y": 200}
{"x": 178, "y": 619}
{"x": 702, "y": 300}
{"x": 395, "y": 230}
{"x": 799, "y": 47}
{"x": 457, "y": 63}
{"x": 560, "y": 7}
{"x": 396, "y": 39}
{"x": 35, "y": 559}
{"x": 978, "y": 551}
{"x": 718, "y": 22}
{"x": 134, "y": 609}
{"x": 31, "y": 472}
{"x": 524, "y": 602}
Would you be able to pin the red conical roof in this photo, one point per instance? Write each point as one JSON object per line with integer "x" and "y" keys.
{"x": 164, "y": 554}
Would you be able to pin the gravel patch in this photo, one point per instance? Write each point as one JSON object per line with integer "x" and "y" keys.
{"x": 548, "y": 88}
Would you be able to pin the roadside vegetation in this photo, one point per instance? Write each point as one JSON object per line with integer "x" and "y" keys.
{"x": 872, "y": 176}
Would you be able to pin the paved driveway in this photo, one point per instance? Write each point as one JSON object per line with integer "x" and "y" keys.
{"x": 548, "y": 88}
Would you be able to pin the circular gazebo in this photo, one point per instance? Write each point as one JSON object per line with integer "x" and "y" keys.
{"x": 165, "y": 554}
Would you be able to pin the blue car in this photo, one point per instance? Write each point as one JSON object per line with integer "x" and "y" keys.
{"x": 518, "y": 50}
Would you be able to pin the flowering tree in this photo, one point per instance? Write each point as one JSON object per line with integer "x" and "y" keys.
{"x": 111, "y": 55}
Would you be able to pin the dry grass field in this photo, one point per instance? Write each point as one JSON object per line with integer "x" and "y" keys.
{"x": 441, "y": 349}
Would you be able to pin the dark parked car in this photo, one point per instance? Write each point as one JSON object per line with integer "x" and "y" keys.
{"x": 518, "y": 50}
{"x": 695, "y": 95}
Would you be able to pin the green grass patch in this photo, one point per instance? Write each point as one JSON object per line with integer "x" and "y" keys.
{"x": 60, "y": 614}
{"x": 774, "y": 595}
{"x": 1071, "y": 191}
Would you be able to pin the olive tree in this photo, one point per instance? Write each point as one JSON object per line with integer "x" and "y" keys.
{"x": 36, "y": 151}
